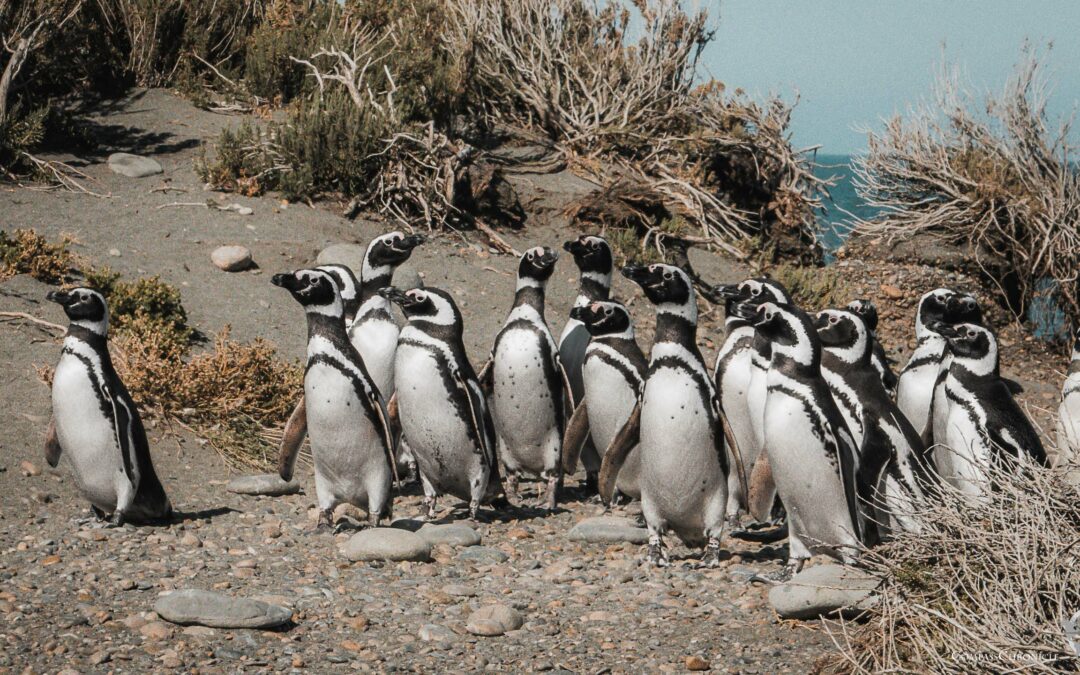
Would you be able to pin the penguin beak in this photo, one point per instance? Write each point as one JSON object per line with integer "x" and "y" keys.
{"x": 727, "y": 291}
{"x": 945, "y": 330}
{"x": 59, "y": 297}
{"x": 581, "y": 314}
{"x": 285, "y": 280}
{"x": 396, "y": 296}
{"x": 637, "y": 273}
{"x": 574, "y": 247}
{"x": 746, "y": 311}
{"x": 410, "y": 242}
{"x": 548, "y": 258}
{"x": 821, "y": 320}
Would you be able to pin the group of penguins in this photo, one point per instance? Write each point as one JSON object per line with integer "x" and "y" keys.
{"x": 801, "y": 417}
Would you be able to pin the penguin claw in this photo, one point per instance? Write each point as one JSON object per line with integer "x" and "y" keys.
{"x": 780, "y": 576}
{"x": 657, "y": 556}
{"x": 711, "y": 557}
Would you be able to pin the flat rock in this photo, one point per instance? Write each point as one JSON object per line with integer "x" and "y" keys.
{"x": 433, "y": 632}
{"x": 266, "y": 484}
{"x": 608, "y": 530}
{"x": 133, "y": 166}
{"x": 491, "y": 620}
{"x": 231, "y": 258}
{"x": 386, "y": 543}
{"x": 823, "y": 590}
{"x": 482, "y": 555}
{"x": 453, "y": 534}
{"x": 206, "y": 608}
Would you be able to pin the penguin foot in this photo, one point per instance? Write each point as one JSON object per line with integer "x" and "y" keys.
{"x": 732, "y": 523}
{"x": 552, "y": 494}
{"x": 412, "y": 475}
{"x": 657, "y": 554}
{"x": 429, "y": 509}
{"x": 640, "y": 520}
{"x": 474, "y": 510}
{"x": 711, "y": 557}
{"x": 325, "y": 521}
{"x": 117, "y": 520}
{"x": 780, "y": 576}
{"x": 592, "y": 483}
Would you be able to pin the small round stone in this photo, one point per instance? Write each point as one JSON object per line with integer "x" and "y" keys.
{"x": 386, "y": 543}
{"x": 231, "y": 258}
{"x": 453, "y": 534}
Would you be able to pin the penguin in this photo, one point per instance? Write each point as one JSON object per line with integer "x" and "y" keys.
{"x": 878, "y": 358}
{"x": 1068, "y": 424}
{"x": 526, "y": 383}
{"x": 441, "y": 408}
{"x": 95, "y": 422}
{"x": 916, "y": 382}
{"x": 352, "y": 443}
{"x": 592, "y": 255}
{"x": 372, "y": 330}
{"x": 613, "y": 375}
{"x": 811, "y": 452}
{"x": 985, "y": 424}
{"x": 959, "y": 308}
{"x": 891, "y": 456}
{"x": 676, "y": 425}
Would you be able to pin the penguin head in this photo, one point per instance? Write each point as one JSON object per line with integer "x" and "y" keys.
{"x": 347, "y": 283}
{"x": 753, "y": 292}
{"x": 84, "y": 307}
{"x": 430, "y": 305}
{"x": 315, "y": 289}
{"x": 663, "y": 284}
{"x": 788, "y": 328}
{"x": 591, "y": 254}
{"x": 933, "y": 307}
{"x": 973, "y": 343}
{"x": 386, "y": 252}
{"x": 963, "y": 307}
{"x": 536, "y": 266}
{"x": 844, "y": 333}
{"x": 867, "y": 310}
{"x": 604, "y": 318}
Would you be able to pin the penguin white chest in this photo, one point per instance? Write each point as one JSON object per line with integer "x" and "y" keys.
{"x": 86, "y": 432}
{"x": 610, "y": 399}
{"x": 522, "y": 405}
{"x": 376, "y": 342}
{"x": 1068, "y": 427}
{"x": 963, "y": 454}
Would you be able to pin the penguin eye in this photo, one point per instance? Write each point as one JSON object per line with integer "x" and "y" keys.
{"x": 608, "y": 311}
{"x": 530, "y": 255}
{"x": 755, "y": 291}
{"x": 668, "y": 276}
{"x": 834, "y": 320}
{"x": 972, "y": 334}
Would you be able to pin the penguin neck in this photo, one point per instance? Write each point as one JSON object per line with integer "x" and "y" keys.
{"x": 381, "y": 277}
{"x": 530, "y": 293}
{"x": 676, "y": 327}
{"x": 857, "y": 354}
{"x": 595, "y": 286}
{"x": 330, "y": 327}
{"x": 982, "y": 367}
{"x": 1074, "y": 363}
{"x": 94, "y": 336}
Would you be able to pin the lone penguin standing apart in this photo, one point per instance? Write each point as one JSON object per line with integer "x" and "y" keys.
{"x": 811, "y": 452}
{"x": 984, "y": 419}
{"x": 684, "y": 462}
{"x": 351, "y": 441}
{"x": 527, "y": 383}
{"x": 613, "y": 375}
{"x": 441, "y": 408}
{"x": 95, "y": 422}
{"x": 593, "y": 257}
{"x": 1068, "y": 426}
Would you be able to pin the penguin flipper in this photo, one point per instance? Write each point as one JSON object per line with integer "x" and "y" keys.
{"x": 122, "y": 421}
{"x": 487, "y": 375}
{"x": 762, "y": 490}
{"x": 874, "y": 460}
{"x": 291, "y": 440}
{"x": 481, "y": 420}
{"x": 576, "y": 433}
{"x": 616, "y": 453}
{"x": 52, "y": 445}
{"x": 729, "y": 438}
{"x": 846, "y": 450}
{"x": 395, "y": 416}
{"x": 1015, "y": 388}
{"x": 379, "y": 406}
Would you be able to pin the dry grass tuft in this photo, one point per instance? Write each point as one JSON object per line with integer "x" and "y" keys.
{"x": 984, "y": 587}
{"x": 813, "y": 288}
{"x": 27, "y": 252}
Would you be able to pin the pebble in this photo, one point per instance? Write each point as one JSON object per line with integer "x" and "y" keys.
{"x": 194, "y": 606}
{"x": 608, "y": 530}
{"x": 266, "y": 484}
{"x": 433, "y": 632}
{"x": 386, "y": 543}
{"x": 492, "y": 620}
{"x": 231, "y": 258}
{"x": 696, "y": 663}
{"x": 453, "y": 534}
{"x": 482, "y": 555}
{"x": 133, "y": 166}
{"x": 823, "y": 590}
{"x": 29, "y": 469}
{"x": 156, "y": 630}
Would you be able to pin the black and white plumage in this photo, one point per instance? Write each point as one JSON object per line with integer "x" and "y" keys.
{"x": 348, "y": 285}
{"x": 891, "y": 457}
{"x": 613, "y": 376}
{"x": 811, "y": 452}
{"x": 351, "y": 441}
{"x": 959, "y": 308}
{"x": 443, "y": 414}
{"x": 684, "y": 461}
{"x": 592, "y": 255}
{"x": 878, "y": 358}
{"x": 984, "y": 420}
{"x": 95, "y": 423}
{"x": 1068, "y": 425}
{"x": 526, "y": 382}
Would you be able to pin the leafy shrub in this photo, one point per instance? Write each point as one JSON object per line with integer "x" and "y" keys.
{"x": 27, "y": 252}
{"x": 145, "y": 306}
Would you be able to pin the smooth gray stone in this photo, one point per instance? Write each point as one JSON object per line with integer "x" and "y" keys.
{"x": 492, "y": 620}
{"x": 133, "y": 166}
{"x": 482, "y": 555}
{"x": 386, "y": 543}
{"x": 231, "y": 258}
{"x": 453, "y": 534}
{"x": 824, "y": 590}
{"x": 434, "y": 632}
{"x": 608, "y": 530}
{"x": 266, "y": 484}
{"x": 206, "y": 608}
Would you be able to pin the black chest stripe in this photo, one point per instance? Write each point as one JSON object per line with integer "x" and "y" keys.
{"x": 361, "y": 393}
{"x": 632, "y": 377}
{"x": 458, "y": 398}
{"x": 698, "y": 378}
{"x": 811, "y": 413}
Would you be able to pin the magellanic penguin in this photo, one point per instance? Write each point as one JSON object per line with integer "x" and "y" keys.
{"x": 592, "y": 255}
{"x": 959, "y": 308}
{"x": 352, "y": 444}
{"x": 684, "y": 462}
{"x": 527, "y": 384}
{"x": 443, "y": 414}
{"x": 96, "y": 424}
{"x": 1068, "y": 425}
{"x": 878, "y": 358}
{"x": 985, "y": 425}
{"x": 810, "y": 449}
{"x": 891, "y": 456}
{"x": 613, "y": 375}
{"x": 371, "y": 326}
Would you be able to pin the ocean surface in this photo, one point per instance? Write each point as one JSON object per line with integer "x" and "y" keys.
{"x": 845, "y": 204}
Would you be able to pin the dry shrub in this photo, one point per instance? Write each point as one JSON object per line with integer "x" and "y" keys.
{"x": 27, "y": 252}
{"x": 984, "y": 587}
{"x": 991, "y": 176}
{"x": 147, "y": 300}
{"x": 813, "y": 288}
